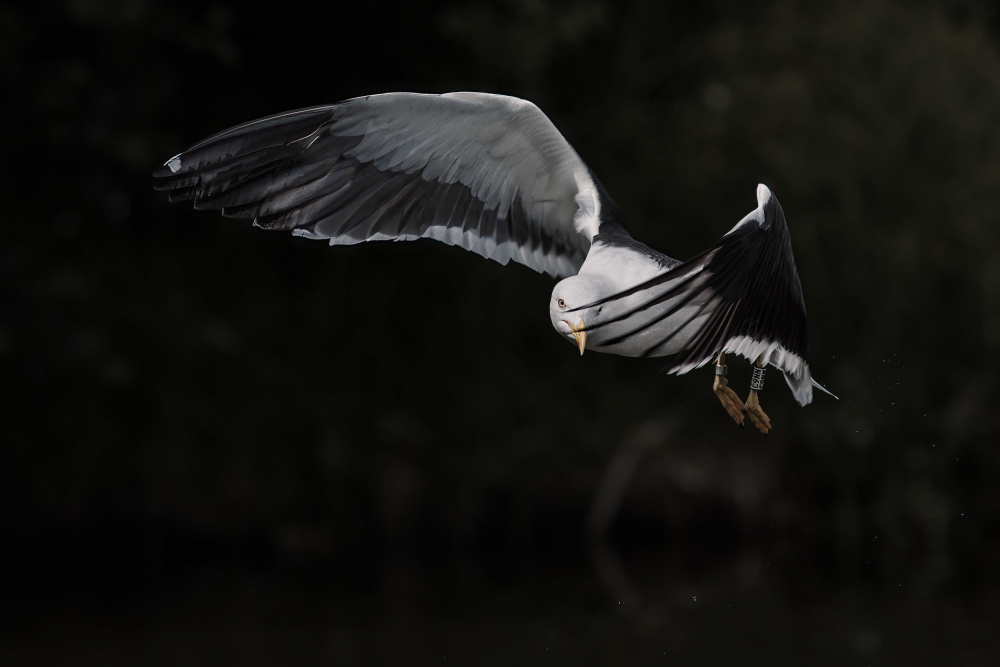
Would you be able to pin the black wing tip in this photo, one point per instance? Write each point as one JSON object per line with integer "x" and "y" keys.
{"x": 171, "y": 167}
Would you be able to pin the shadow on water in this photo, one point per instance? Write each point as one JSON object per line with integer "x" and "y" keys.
{"x": 600, "y": 598}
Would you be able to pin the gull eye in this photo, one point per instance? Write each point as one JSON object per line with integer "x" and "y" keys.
{"x": 561, "y": 304}
{"x": 599, "y": 310}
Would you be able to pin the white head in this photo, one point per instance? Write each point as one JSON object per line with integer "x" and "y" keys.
{"x": 566, "y": 307}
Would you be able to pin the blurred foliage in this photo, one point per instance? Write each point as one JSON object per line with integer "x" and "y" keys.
{"x": 171, "y": 370}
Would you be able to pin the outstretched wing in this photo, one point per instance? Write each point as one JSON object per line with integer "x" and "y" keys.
{"x": 485, "y": 172}
{"x": 741, "y": 296}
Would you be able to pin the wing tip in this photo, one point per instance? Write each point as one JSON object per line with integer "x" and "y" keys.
{"x": 170, "y": 167}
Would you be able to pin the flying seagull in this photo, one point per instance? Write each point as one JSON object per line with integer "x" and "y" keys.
{"x": 492, "y": 174}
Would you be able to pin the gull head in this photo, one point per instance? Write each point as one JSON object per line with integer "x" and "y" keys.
{"x": 575, "y": 306}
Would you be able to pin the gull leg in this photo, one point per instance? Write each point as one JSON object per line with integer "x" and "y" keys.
{"x": 752, "y": 407}
{"x": 730, "y": 401}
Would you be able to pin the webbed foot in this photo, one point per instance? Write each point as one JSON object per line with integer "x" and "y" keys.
{"x": 756, "y": 413}
{"x": 752, "y": 407}
{"x": 730, "y": 401}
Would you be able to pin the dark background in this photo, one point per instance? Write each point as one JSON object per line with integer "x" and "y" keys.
{"x": 226, "y": 446}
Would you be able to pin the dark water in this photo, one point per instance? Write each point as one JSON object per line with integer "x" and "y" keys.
{"x": 650, "y": 607}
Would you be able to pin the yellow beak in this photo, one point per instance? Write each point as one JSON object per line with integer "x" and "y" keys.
{"x": 578, "y": 334}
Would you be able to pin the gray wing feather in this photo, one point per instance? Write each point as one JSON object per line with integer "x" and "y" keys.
{"x": 485, "y": 172}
